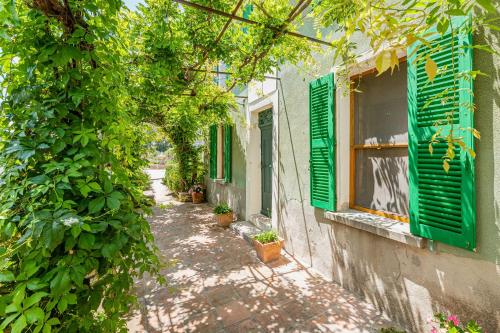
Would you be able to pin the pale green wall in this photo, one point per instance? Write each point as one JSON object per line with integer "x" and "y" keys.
{"x": 409, "y": 284}
{"x": 232, "y": 193}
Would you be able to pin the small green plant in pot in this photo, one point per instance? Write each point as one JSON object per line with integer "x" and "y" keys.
{"x": 223, "y": 214}
{"x": 268, "y": 246}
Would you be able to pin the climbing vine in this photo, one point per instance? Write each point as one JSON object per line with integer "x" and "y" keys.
{"x": 81, "y": 82}
{"x": 72, "y": 226}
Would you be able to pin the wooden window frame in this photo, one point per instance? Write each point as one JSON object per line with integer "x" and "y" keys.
{"x": 355, "y": 147}
{"x": 221, "y": 150}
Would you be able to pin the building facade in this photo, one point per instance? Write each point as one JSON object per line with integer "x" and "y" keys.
{"x": 347, "y": 179}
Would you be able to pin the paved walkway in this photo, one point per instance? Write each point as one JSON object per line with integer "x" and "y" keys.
{"x": 217, "y": 284}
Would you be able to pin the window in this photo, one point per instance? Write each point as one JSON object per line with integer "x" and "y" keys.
{"x": 220, "y": 152}
{"x": 379, "y": 143}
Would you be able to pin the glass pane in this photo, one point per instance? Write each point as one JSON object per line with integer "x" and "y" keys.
{"x": 381, "y": 181}
{"x": 381, "y": 108}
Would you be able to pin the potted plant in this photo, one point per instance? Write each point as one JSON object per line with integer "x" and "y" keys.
{"x": 268, "y": 246}
{"x": 224, "y": 215}
{"x": 197, "y": 194}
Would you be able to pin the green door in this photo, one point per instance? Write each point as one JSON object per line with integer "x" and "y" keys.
{"x": 266, "y": 166}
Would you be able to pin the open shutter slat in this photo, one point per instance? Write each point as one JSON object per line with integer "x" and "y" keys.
{"x": 322, "y": 142}
{"x": 442, "y": 205}
{"x": 227, "y": 153}
{"x": 213, "y": 151}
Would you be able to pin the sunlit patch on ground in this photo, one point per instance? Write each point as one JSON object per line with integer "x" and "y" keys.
{"x": 217, "y": 284}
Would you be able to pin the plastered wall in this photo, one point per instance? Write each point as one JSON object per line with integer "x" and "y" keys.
{"x": 407, "y": 283}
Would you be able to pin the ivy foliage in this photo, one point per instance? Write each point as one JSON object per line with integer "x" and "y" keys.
{"x": 391, "y": 27}
{"x": 81, "y": 82}
{"x": 175, "y": 56}
{"x": 72, "y": 226}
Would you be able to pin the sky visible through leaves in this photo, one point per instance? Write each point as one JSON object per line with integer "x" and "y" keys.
{"x": 132, "y": 4}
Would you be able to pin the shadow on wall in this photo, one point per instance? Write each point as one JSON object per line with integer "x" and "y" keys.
{"x": 487, "y": 121}
{"x": 408, "y": 284}
{"x": 283, "y": 192}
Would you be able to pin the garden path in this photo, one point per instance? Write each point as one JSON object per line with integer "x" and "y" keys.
{"x": 217, "y": 284}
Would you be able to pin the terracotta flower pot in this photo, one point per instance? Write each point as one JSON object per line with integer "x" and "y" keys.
{"x": 198, "y": 197}
{"x": 269, "y": 251}
{"x": 224, "y": 220}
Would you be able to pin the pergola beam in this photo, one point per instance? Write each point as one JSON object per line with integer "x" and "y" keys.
{"x": 235, "y": 10}
{"x": 230, "y": 73}
{"x": 248, "y": 21}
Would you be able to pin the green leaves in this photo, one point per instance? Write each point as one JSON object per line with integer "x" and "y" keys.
{"x": 65, "y": 54}
{"x": 34, "y": 314}
{"x": 68, "y": 299}
{"x": 113, "y": 200}
{"x": 86, "y": 241}
{"x": 488, "y": 5}
{"x": 96, "y": 205}
{"x": 6, "y": 276}
{"x": 19, "y": 324}
{"x": 431, "y": 68}
{"x": 34, "y": 299}
{"x": 84, "y": 135}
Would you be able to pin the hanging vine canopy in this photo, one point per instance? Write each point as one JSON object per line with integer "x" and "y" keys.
{"x": 81, "y": 82}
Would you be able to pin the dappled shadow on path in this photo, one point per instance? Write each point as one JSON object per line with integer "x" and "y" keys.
{"x": 217, "y": 284}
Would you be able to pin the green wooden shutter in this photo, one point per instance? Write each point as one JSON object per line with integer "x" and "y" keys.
{"x": 227, "y": 153}
{"x": 322, "y": 142}
{"x": 213, "y": 151}
{"x": 442, "y": 205}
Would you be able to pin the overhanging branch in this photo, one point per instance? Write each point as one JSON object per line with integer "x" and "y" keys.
{"x": 248, "y": 21}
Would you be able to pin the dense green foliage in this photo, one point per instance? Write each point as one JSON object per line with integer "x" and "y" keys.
{"x": 175, "y": 87}
{"x": 222, "y": 209}
{"x": 267, "y": 237}
{"x": 73, "y": 232}
{"x": 193, "y": 173}
{"x": 81, "y": 82}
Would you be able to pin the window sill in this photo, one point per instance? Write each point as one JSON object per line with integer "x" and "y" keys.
{"x": 219, "y": 181}
{"x": 381, "y": 226}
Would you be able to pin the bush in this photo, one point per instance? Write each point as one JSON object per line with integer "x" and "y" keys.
{"x": 172, "y": 178}
{"x": 267, "y": 237}
{"x": 222, "y": 209}
{"x": 181, "y": 179}
{"x": 451, "y": 324}
{"x": 73, "y": 235}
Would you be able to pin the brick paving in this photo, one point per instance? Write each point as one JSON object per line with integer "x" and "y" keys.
{"x": 217, "y": 284}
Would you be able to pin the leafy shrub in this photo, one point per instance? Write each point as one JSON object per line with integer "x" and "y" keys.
{"x": 73, "y": 236}
{"x": 181, "y": 179}
{"x": 172, "y": 179}
{"x": 451, "y": 324}
{"x": 222, "y": 209}
{"x": 267, "y": 237}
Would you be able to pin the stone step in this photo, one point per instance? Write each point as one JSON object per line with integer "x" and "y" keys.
{"x": 261, "y": 221}
{"x": 245, "y": 229}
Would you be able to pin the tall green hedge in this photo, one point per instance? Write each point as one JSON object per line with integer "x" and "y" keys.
{"x": 72, "y": 226}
